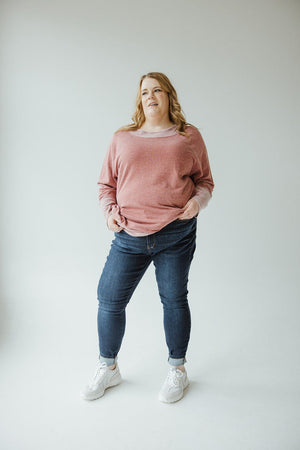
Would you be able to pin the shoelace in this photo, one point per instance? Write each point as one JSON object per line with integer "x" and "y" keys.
{"x": 100, "y": 370}
{"x": 173, "y": 377}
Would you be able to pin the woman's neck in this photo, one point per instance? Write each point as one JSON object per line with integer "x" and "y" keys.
{"x": 149, "y": 125}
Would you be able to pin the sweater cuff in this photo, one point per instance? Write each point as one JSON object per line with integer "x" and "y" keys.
{"x": 110, "y": 208}
{"x": 202, "y": 196}
{"x": 107, "y": 205}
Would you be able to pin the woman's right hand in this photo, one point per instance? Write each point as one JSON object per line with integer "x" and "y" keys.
{"x": 113, "y": 225}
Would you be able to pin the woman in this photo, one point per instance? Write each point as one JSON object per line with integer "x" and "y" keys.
{"x": 154, "y": 181}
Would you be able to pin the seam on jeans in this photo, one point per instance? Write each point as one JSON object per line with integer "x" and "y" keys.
{"x": 150, "y": 246}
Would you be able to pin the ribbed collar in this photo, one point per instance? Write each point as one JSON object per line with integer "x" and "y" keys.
{"x": 162, "y": 133}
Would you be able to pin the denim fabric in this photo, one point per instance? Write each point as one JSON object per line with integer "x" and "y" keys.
{"x": 171, "y": 249}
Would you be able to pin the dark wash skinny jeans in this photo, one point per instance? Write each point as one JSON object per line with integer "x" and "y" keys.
{"x": 171, "y": 249}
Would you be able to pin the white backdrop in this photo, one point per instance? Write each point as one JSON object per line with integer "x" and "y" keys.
{"x": 70, "y": 72}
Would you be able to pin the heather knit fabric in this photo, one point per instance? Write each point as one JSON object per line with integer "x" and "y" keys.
{"x": 147, "y": 177}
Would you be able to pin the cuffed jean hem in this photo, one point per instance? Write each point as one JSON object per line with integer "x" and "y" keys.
{"x": 109, "y": 361}
{"x": 176, "y": 361}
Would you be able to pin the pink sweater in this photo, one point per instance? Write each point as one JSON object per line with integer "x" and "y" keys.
{"x": 148, "y": 177}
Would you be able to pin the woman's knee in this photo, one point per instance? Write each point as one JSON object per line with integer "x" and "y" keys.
{"x": 174, "y": 301}
{"x": 113, "y": 305}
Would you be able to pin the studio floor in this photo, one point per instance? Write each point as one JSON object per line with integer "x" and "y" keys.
{"x": 232, "y": 403}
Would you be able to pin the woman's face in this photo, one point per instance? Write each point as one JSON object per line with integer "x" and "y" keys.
{"x": 155, "y": 100}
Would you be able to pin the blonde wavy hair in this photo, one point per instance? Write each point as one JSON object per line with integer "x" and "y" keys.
{"x": 175, "y": 113}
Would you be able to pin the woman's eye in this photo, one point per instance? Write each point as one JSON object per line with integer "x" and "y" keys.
{"x": 155, "y": 90}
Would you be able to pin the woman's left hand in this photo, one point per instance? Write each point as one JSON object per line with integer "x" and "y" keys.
{"x": 190, "y": 210}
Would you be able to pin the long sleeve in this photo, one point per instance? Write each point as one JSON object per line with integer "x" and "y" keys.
{"x": 201, "y": 172}
{"x": 107, "y": 182}
{"x": 107, "y": 185}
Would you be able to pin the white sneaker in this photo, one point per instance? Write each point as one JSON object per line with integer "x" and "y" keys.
{"x": 174, "y": 385}
{"x": 103, "y": 379}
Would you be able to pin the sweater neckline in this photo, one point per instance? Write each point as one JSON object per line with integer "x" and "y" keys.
{"x": 161, "y": 133}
